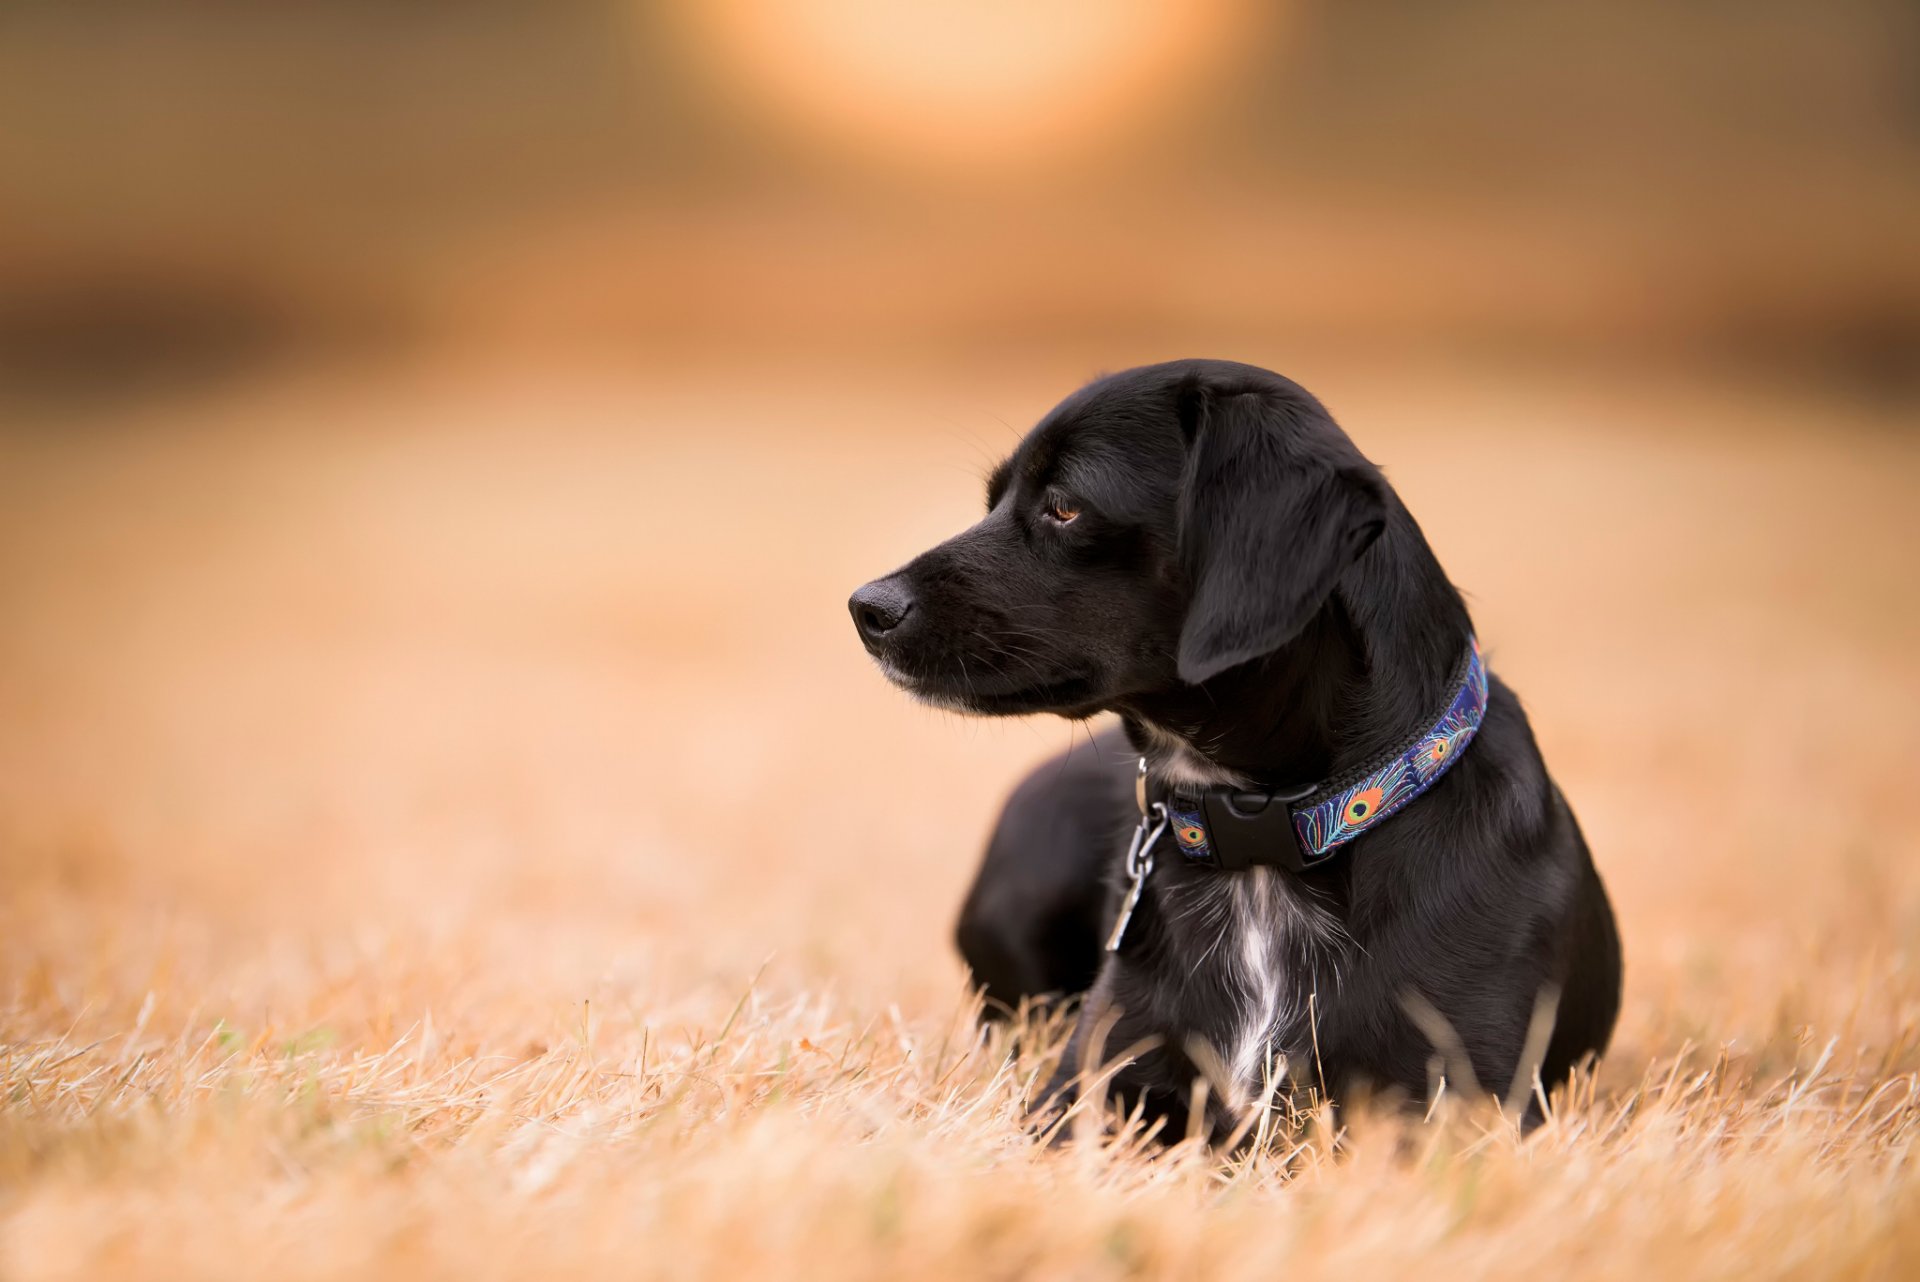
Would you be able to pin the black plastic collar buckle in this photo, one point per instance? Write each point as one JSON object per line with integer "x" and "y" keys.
{"x": 1248, "y": 828}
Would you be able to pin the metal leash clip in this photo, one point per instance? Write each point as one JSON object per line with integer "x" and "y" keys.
{"x": 1139, "y": 866}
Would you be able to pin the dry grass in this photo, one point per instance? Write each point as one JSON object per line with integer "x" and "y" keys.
{"x": 447, "y": 828}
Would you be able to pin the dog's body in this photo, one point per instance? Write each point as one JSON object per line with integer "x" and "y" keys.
{"x": 1197, "y": 547}
{"x": 1040, "y": 908}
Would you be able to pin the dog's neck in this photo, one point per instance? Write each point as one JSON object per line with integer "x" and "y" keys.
{"x": 1352, "y": 685}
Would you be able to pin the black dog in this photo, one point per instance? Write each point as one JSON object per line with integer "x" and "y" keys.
{"x": 1199, "y": 548}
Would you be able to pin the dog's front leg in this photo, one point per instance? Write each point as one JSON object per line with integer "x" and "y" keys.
{"x": 1062, "y": 1091}
{"x": 1112, "y": 1050}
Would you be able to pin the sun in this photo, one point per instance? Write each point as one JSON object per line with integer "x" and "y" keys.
{"x": 961, "y": 81}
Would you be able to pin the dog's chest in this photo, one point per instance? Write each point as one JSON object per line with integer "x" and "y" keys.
{"x": 1246, "y": 955}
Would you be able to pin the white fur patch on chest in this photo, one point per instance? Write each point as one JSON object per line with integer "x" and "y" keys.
{"x": 1270, "y": 995}
{"x": 1262, "y": 945}
{"x": 1257, "y": 935}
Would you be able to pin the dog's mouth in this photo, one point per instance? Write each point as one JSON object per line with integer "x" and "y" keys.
{"x": 996, "y": 694}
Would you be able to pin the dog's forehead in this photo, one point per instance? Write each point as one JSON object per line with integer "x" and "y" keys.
{"x": 1090, "y": 430}
{"x": 1118, "y": 435}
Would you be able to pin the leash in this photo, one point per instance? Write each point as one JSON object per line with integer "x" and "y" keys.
{"x": 1300, "y": 829}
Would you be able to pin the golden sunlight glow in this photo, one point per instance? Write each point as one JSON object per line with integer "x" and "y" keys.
{"x": 966, "y": 81}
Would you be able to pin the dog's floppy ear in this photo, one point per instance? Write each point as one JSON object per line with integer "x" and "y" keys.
{"x": 1271, "y": 513}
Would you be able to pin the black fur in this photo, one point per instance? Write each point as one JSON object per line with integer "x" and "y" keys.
{"x": 1037, "y": 916}
{"x": 1246, "y": 591}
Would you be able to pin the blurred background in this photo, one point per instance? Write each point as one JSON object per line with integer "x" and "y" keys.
{"x": 199, "y": 186}
{"x": 437, "y": 440}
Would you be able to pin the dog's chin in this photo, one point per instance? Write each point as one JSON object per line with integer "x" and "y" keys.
{"x": 1070, "y": 696}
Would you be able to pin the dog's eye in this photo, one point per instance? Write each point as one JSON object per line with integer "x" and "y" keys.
{"x": 1063, "y": 511}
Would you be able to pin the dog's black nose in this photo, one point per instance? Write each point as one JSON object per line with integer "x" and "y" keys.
{"x": 879, "y": 608}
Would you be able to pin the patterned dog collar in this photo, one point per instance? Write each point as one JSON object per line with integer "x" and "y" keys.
{"x": 1234, "y": 828}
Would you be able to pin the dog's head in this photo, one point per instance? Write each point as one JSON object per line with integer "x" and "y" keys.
{"x": 1158, "y": 527}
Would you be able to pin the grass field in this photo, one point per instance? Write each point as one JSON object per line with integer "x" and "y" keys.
{"x": 448, "y": 828}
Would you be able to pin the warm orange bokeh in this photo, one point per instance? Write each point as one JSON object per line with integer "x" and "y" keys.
{"x": 969, "y": 83}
